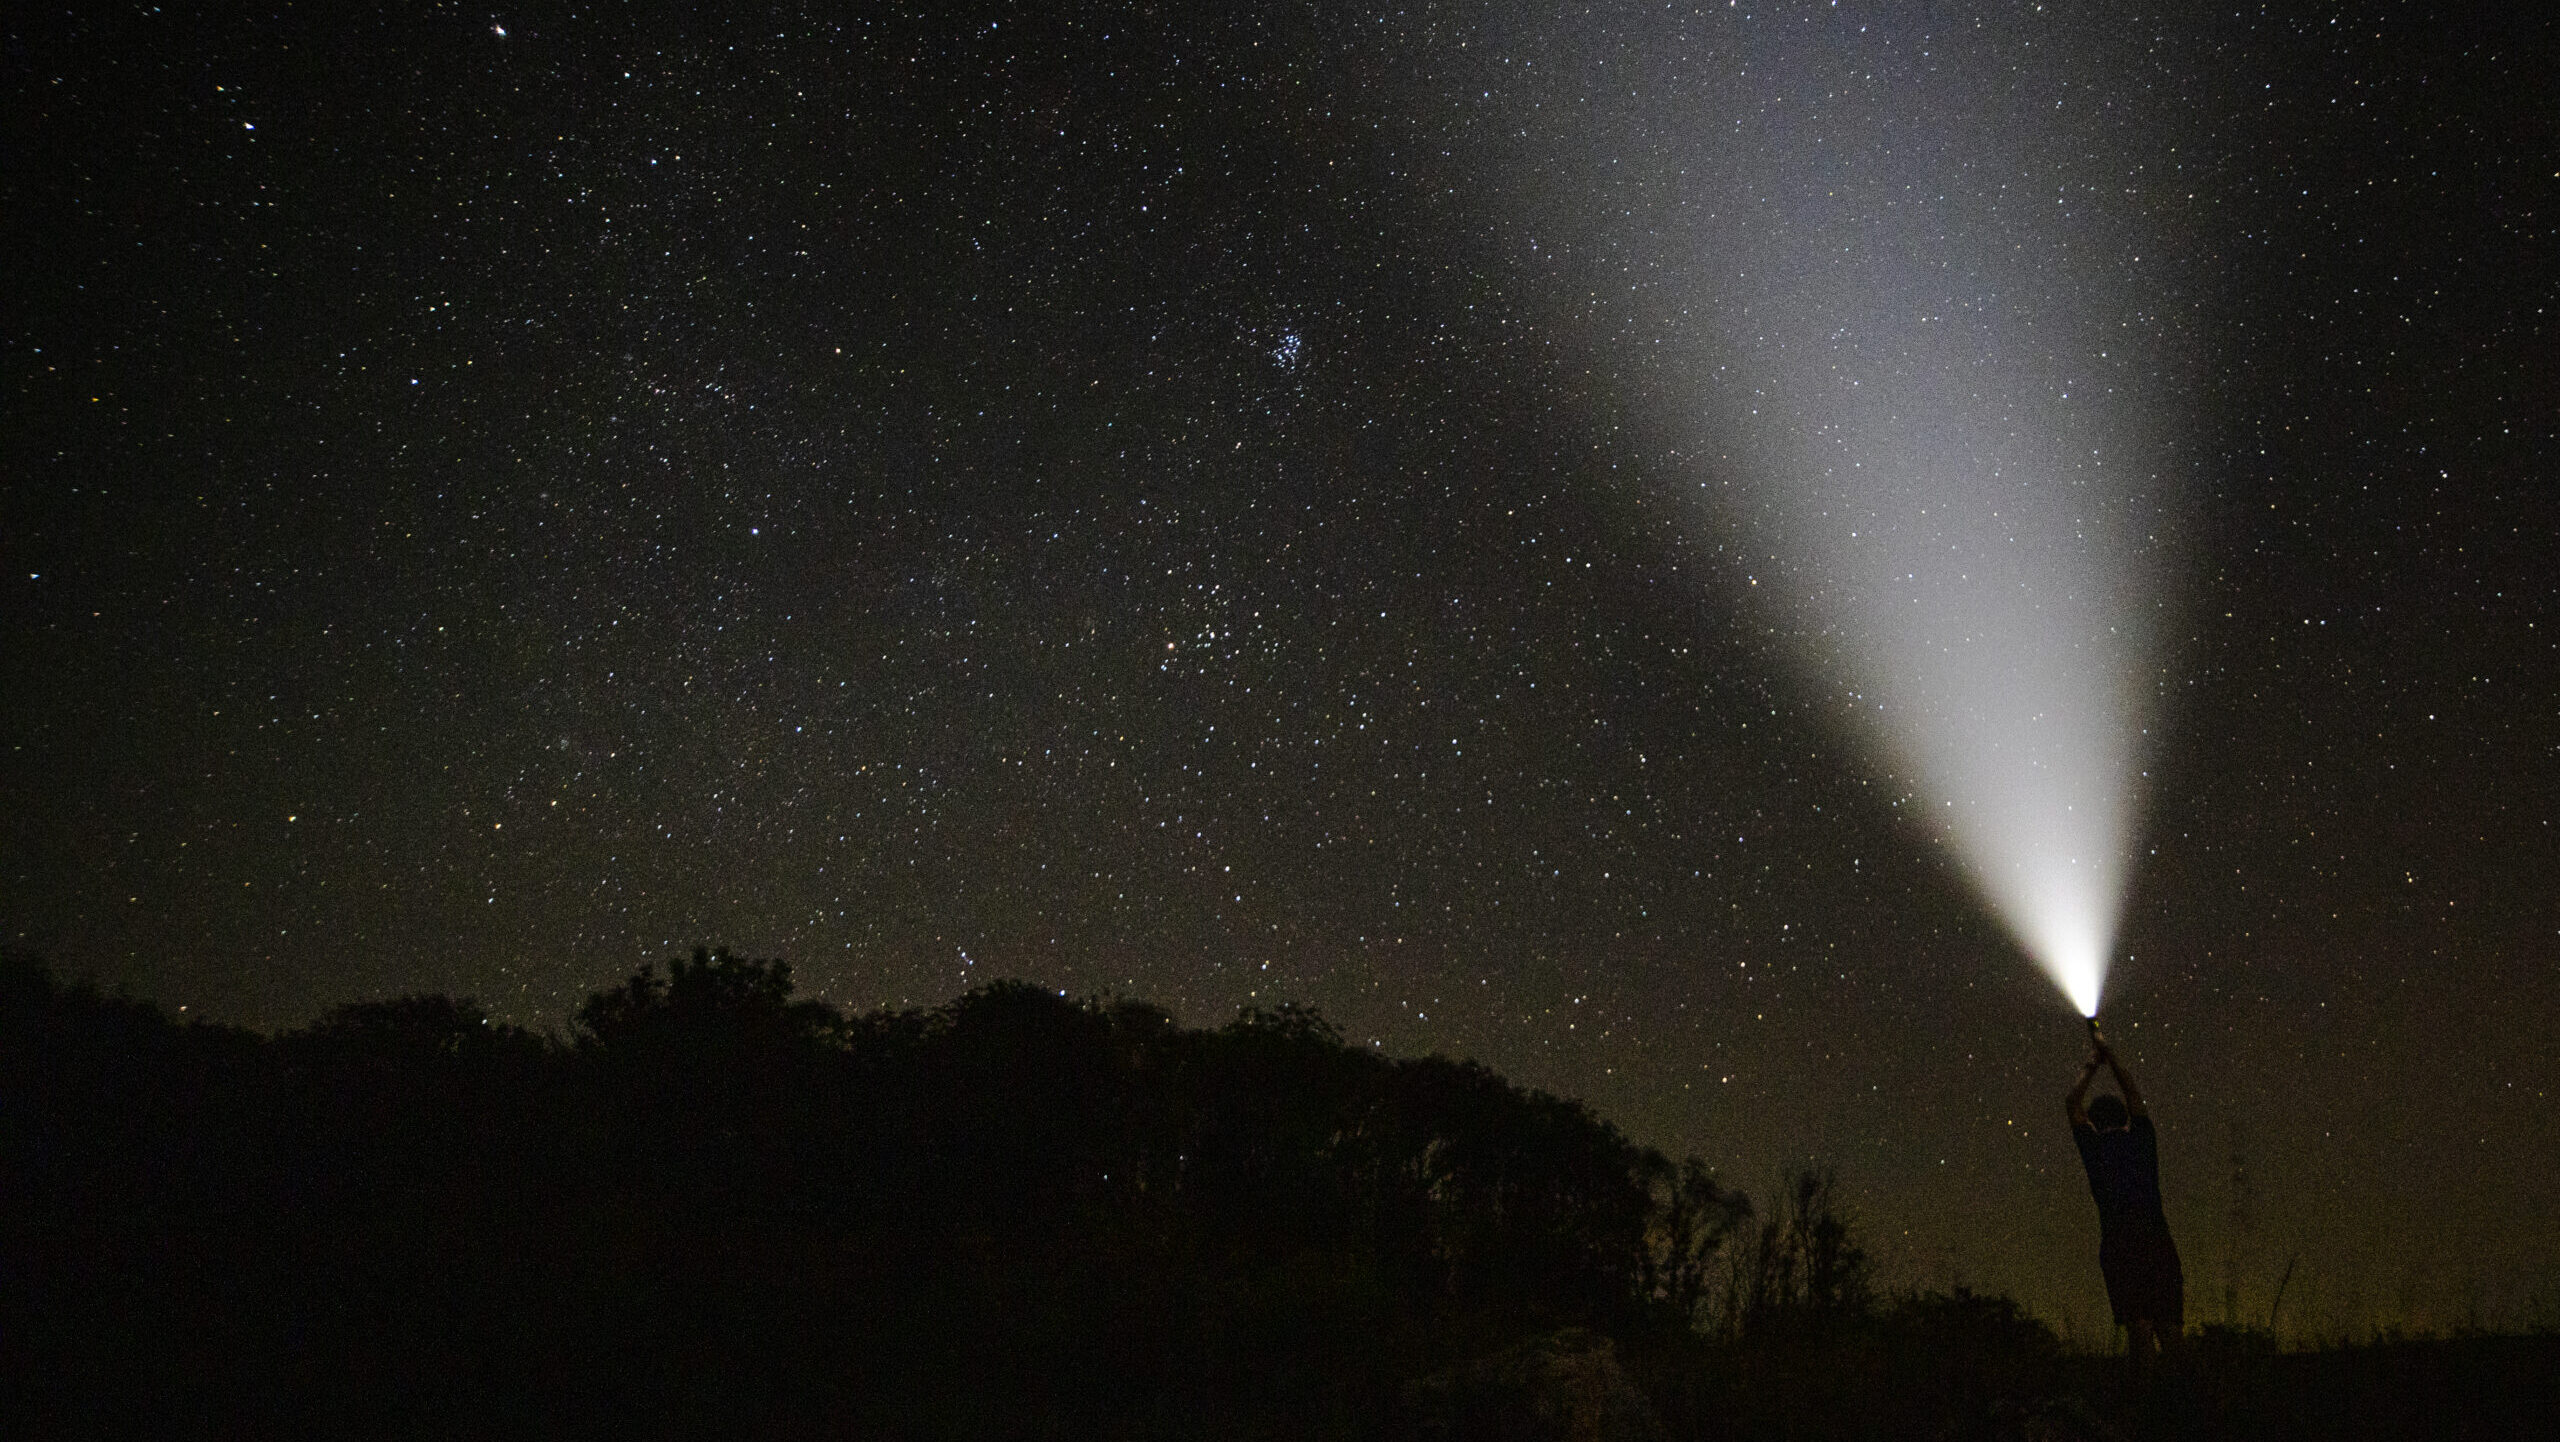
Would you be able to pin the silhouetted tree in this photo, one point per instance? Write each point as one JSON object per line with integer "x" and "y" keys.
{"x": 1802, "y": 1268}
{"x": 1693, "y": 1217}
{"x": 714, "y": 1000}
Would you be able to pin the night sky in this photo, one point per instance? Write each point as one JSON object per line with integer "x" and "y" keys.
{"x": 490, "y": 499}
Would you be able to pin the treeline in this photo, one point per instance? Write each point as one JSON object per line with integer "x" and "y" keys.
{"x": 717, "y": 1207}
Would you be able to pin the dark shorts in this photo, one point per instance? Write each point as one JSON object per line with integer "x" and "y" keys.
{"x": 2144, "y": 1281}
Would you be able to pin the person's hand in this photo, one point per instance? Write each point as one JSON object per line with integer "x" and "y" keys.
{"x": 2104, "y": 1056}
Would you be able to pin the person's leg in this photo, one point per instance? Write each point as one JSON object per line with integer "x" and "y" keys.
{"x": 2142, "y": 1343}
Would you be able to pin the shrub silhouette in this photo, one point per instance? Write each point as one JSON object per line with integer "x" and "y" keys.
{"x": 1801, "y": 1270}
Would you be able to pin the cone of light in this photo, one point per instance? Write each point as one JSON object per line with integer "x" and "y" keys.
{"x": 2003, "y": 693}
{"x": 1891, "y": 287}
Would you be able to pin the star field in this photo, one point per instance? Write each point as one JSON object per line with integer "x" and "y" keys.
{"x": 1098, "y": 497}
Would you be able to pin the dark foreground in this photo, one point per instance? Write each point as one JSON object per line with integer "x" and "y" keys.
{"x": 718, "y": 1211}
{"x": 1934, "y": 1382}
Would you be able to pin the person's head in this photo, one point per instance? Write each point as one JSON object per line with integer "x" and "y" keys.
{"x": 2107, "y": 1114}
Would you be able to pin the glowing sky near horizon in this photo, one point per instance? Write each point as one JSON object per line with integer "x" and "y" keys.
{"x": 1896, "y": 294}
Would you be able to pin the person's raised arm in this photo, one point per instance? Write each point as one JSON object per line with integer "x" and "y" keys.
{"x": 2124, "y": 1083}
{"x": 2077, "y": 1104}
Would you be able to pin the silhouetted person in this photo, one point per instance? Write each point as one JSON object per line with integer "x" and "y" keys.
{"x": 2145, "y": 1285}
